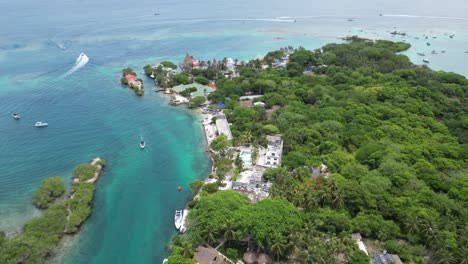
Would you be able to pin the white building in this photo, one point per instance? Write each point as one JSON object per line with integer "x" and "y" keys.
{"x": 274, "y": 151}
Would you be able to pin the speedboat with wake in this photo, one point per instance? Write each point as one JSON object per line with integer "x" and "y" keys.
{"x": 16, "y": 116}
{"x": 40, "y": 124}
{"x": 142, "y": 143}
{"x": 178, "y": 219}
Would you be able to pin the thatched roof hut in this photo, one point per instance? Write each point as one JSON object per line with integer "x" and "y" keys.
{"x": 208, "y": 256}
{"x": 263, "y": 258}
{"x": 250, "y": 257}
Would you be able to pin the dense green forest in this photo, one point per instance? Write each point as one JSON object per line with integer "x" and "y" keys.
{"x": 40, "y": 236}
{"x": 393, "y": 135}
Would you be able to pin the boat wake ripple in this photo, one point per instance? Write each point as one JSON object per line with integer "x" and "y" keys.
{"x": 80, "y": 62}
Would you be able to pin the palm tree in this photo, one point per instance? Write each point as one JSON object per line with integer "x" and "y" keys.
{"x": 278, "y": 248}
{"x": 187, "y": 249}
{"x": 412, "y": 225}
{"x": 347, "y": 245}
{"x": 323, "y": 196}
{"x": 295, "y": 241}
{"x": 209, "y": 235}
{"x": 248, "y": 136}
{"x": 175, "y": 242}
{"x": 462, "y": 256}
{"x": 427, "y": 229}
{"x": 312, "y": 200}
{"x": 229, "y": 230}
{"x": 337, "y": 200}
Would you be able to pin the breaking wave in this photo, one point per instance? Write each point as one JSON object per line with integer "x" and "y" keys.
{"x": 428, "y": 17}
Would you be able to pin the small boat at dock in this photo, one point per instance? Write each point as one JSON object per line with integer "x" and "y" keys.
{"x": 41, "y": 124}
{"x": 16, "y": 116}
{"x": 178, "y": 219}
{"x": 182, "y": 225}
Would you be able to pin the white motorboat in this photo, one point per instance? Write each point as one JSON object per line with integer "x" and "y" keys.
{"x": 178, "y": 219}
{"x": 40, "y": 124}
{"x": 426, "y": 61}
{"x": 16, "y": 116}
{"x": 182, "y": 228}
{"x": 142, "y": 143}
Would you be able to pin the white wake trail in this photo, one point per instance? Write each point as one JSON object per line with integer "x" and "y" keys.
{"x": 80, "y": 62}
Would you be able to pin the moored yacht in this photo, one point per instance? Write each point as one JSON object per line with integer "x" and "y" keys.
{"x": 426, "y": 61}
{"x": 182, "y": 228}
{"x": 178, "y": 219}
{"x": 40, "y": 124}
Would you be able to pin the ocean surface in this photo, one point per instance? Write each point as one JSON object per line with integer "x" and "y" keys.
{"x": 90, "y": 114}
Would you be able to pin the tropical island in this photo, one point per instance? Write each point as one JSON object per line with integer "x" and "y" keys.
{"x": 345, "y": 154}
{"x": 193, "y": 83}
{"x": 129, "y": 78}
{"x": 63, "y": 213}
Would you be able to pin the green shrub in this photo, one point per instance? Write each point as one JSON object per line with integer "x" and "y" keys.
{"x": 101, "y": 162}
{"x": 198, "y": 100}
{"x": 148, "y": 70}
{"x": 188, "y": 91}
{"x": 51, "y": 188}
{"x": 211, "y": 187}
{"x": 84, "y": 172}
{"x": 232, "y": 254}
{"x": 202, "y": 80}
{"x": 169, "y": 64}
{"x": 359, "y": 257}
{"x": 192, "y": 203}
{"x": 128, "y": 71}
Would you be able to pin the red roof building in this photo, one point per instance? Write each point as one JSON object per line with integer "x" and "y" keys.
{"x": 130, "y": 77}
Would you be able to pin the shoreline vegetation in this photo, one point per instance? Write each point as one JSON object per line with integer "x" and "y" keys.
{"x": 374, "y": 159}
{"x": 62, "y": 214}
{"x": 129, "y": 78}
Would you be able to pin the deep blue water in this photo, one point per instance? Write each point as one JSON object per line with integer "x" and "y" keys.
{"x": 90, "y": 114}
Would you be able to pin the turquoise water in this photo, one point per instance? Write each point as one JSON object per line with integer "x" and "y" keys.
{"x": 90, "y": 114}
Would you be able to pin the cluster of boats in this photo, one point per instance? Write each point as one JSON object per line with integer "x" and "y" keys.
{"x": 43, "y": 124}
{"x": 37, "y": 124}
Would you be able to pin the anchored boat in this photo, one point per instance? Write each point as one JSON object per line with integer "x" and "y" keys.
{"x": 178, "y": 219}
{"x": 40, "y": 124}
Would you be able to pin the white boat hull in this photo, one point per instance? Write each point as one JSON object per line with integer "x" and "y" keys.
{"x": 178, "y": 219}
